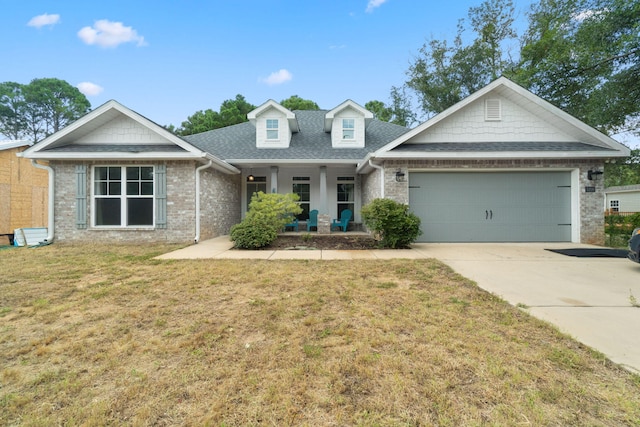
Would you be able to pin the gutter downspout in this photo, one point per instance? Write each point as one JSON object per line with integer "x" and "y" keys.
{"x": 198, "y": 170}
{"x": 381, "y": 169}
{"x": 50, "y": 217}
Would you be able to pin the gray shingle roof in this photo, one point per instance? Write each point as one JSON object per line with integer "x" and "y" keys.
{"x": 238, "y": 142}
{"x": 434, "y": 147}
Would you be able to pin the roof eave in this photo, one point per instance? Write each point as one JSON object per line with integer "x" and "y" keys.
{"x": 222, "y": 165}
{"x": 111, "y": 156}
{"x": 456, "y": 155}
{"x": 292, "y": 161}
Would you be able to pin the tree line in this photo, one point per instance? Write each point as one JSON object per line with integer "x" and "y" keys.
{"x": 234, "y": 111}
{"x": 583, "y": 56}
{"x": 36, "y": 110}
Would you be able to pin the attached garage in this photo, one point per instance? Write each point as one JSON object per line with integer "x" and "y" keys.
{"x": 492, "y": 206}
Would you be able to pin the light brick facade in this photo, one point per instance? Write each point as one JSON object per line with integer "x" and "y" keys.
{"x": 504, "y": 127}
{"x": 591, "y": 203}
{"x": 219, "y": 206}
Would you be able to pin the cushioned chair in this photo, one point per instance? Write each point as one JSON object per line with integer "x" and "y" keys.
{"x": 345, "y": 217}
{"x": 293, "y": 224}
{"x": 313, "y": 220}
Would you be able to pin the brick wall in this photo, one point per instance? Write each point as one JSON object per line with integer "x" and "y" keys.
{"x": 220, "y": 202}
{"x": 370, "y": 187}
{"x": 220, "y": 206}
{"x": 23, "y": 192}
{"x": 591, "y": 204}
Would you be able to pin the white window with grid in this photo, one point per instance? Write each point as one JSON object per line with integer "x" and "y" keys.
{"x": 614, "y": 205}
{"x": 123, "y": 196}
{"x": 348, "y": 129}
{"x": 272, "y": 129}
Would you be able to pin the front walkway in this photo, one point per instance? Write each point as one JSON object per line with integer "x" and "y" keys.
{"x": 221, "y": 248}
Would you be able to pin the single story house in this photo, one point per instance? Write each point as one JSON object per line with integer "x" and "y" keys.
{"x": 622, "y": 199}
{"x": 23, "y": 190}
{"x": 502, "y": 165}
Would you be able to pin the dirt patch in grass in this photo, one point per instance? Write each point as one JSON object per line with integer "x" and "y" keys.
{"x": 324, "y": 242}
{"x": 106, "y": 335}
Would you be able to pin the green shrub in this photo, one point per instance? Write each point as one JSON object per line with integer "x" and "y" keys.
{"x": 391, "y": 222}
{"x": 252, "y": 233}
{"x": 268, "y": 213}
{"x": 619, "y": 228}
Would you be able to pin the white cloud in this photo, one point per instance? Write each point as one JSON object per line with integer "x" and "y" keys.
{"x": 105, "y": 33}
{"x": 43, "y": 20}
{"x": 374, "y": 4}
{"x": 278, "y": 77}
{"x": 90, "y": 89}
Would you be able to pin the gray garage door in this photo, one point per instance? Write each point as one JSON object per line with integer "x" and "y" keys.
{"x": 492, "y": 206}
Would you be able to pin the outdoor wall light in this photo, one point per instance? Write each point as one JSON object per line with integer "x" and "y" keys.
{"x": 251, "y": 178}
{"x": 399, "y": 176}
{"x": 594, "y": 175}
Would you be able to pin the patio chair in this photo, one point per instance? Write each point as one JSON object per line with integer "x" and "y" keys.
{"x": 293, "y": 224}
{"x": 345, "y": 217}
{"x": 313, "y": 220}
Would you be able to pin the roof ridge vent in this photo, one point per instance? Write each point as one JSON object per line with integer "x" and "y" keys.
{"x": 492, "y": 109}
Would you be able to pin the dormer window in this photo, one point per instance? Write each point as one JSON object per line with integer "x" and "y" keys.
{"x": 348, "y": 128}
{"x": 272, "y": 128}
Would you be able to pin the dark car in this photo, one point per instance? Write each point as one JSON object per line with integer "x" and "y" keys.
{"x": 634, "y": 246}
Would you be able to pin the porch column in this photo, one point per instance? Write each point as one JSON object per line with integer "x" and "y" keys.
{"x": 274, "y": 179}
{"x": 323, "y": 190}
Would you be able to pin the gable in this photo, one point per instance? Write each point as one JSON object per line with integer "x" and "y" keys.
{"x": 347, "y": 124}
{"x": 122, "y": 130}
{"x": 274, "y": 125}
{"x": 113, "y": 132}
{"x": 494, "y": 118}
{"x": 272, "y": 129}
{"x": 503, "y": 120}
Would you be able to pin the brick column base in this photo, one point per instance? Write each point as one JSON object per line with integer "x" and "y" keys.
{"x": 324, "y": 224}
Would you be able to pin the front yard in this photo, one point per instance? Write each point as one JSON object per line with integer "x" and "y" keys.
{"x": 104, "y": 335}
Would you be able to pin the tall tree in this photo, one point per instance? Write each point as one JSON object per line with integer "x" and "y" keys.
{"x": 444, "y": 73}
{"x": 40, "y": 108}
{"x": 55, "y": 102}
{"x": 584, "y": 57}
{"x": 198, "y": 122}
{"x": 379, "y": 110}
{"x": 12, "y": 110}
{"x": 232, "y": 111}
{"x": 294, "y": 102}
{"x": 398, "y": 112}
{"x": 623, "y": 171}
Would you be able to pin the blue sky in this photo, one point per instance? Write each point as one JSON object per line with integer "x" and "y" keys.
{"x": 168, "y": 59}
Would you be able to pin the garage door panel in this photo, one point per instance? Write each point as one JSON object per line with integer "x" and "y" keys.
{"x": 495, "y": 206}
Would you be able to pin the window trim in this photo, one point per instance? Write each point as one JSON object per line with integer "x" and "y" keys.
{"x": 272, "y": 128}
{"x": 346, "y": 180}
{"x": 302, "y": 180}
{"x": 123, "y": 197}
{"x": 615, "y": 208}
{"x": 351, "y": 128}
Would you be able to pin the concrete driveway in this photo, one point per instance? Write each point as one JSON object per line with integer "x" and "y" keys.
{"x": 590, "y": 299}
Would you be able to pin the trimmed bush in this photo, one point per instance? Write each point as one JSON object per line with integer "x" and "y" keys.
{"x": 253, "y": 234}
{"x": 268, "y": 213}
{"x": 391, "y": 222}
